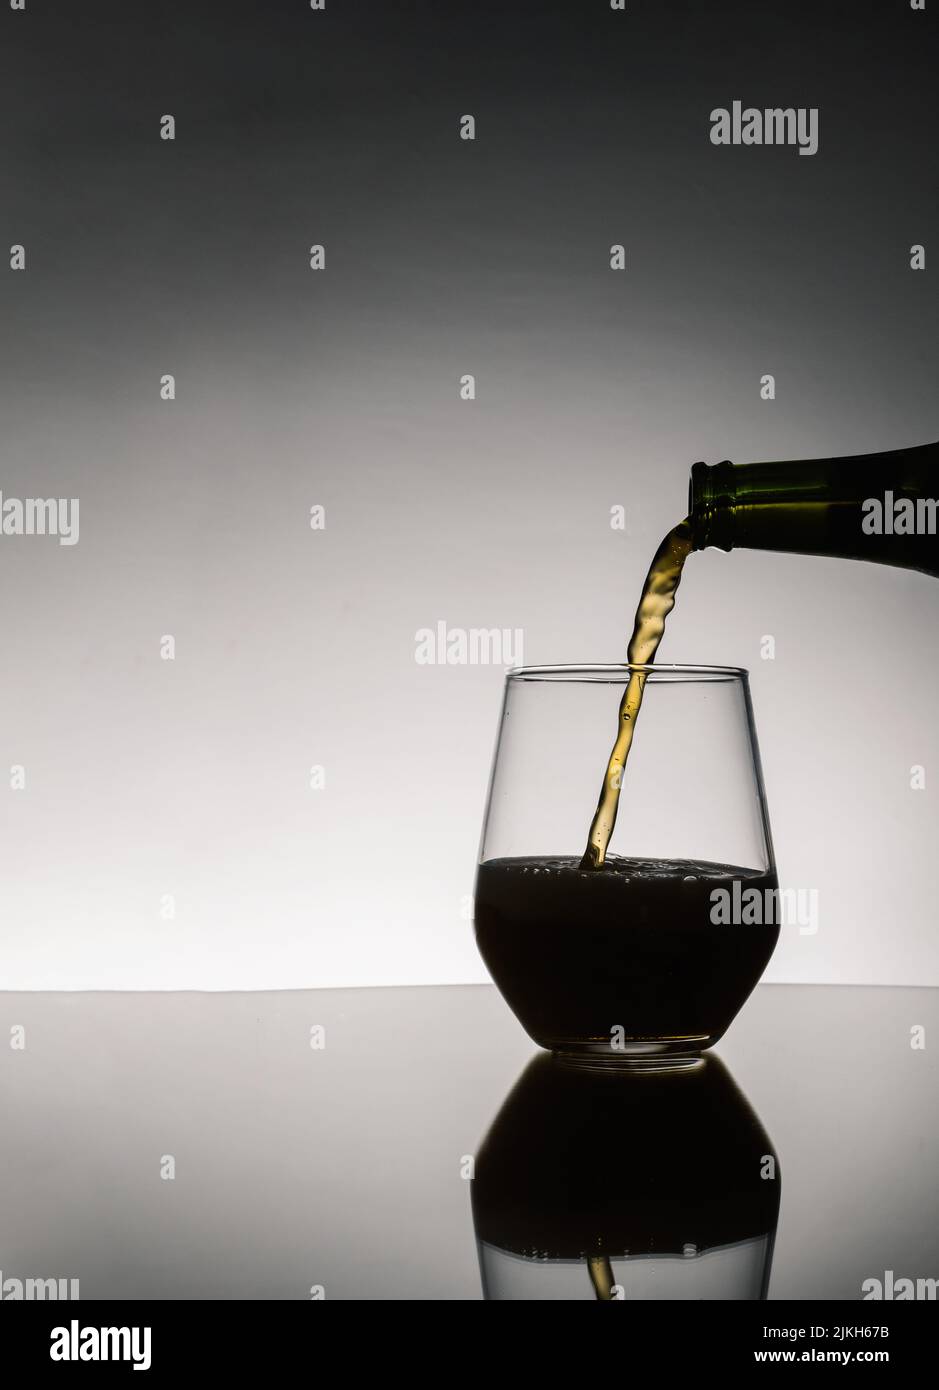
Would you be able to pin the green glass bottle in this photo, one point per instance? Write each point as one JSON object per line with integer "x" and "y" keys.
{"x": 882, "y": 507}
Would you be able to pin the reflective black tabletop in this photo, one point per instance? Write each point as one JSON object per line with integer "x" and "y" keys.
{"x": 334, "y": 1144}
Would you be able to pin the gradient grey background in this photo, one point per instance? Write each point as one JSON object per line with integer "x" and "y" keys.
{"x": 341, "y": 388}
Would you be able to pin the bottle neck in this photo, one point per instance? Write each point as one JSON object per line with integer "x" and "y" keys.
{"x": 744, "y": 505}
{"x": 810, "y": 506}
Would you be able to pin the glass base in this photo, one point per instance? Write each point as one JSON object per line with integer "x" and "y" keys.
{"x": 634, "y": 1053}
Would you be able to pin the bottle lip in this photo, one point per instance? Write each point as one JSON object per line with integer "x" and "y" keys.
{"x": 711, "y": 498}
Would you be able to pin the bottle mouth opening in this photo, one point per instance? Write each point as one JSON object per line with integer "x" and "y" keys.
{"x": 711, "y": 505}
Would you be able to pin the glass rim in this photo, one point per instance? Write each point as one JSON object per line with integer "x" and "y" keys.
{"x": 615, "y": 673}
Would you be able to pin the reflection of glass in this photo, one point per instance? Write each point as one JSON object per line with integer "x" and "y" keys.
{"x": 654, "y": 953}
{"x": 633, "y": 1183}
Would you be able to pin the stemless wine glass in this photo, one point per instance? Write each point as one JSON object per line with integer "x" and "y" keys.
{"x": 652, "y": 955}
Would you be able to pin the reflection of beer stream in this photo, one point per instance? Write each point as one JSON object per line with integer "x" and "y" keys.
{"x": 601, "y": 1276}
{"x": 658, "y": 600}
